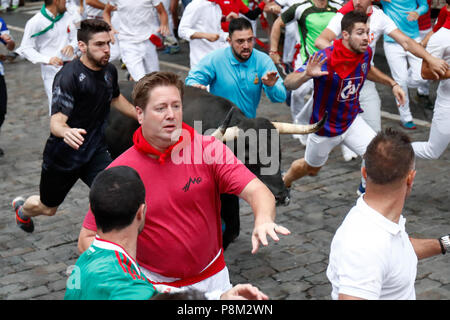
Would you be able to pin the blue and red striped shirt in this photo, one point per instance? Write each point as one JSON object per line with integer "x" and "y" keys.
{"x": 339, "y": 97}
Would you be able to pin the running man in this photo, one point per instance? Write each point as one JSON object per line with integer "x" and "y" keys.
{"x": 83, "y": 91}
{"x": 50, "y": 40}
{"x": 339, "y": 73}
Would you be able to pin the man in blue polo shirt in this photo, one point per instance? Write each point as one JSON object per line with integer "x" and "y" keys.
{"x": 239, "y": 72}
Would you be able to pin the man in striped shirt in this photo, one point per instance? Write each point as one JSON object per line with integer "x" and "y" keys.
{"x": 339, "y": 73}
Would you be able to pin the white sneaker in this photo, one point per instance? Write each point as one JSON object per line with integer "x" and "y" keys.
{"x": 348, "y": 154}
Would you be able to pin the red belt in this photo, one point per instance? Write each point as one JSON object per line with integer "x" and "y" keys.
{"x": 215, "y": 267}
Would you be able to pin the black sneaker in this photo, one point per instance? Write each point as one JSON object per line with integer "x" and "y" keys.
{"x": 26, "y": 225}
{"x": 2, "y": 153}
{"x": 424, "y": 101}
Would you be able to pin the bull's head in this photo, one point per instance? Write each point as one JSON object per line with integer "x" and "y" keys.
{"x": 256, "y": 143}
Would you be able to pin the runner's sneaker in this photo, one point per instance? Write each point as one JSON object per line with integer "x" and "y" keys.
{"x": 409, "y": 125}
{"x": 360, "y": 190}
{"x": 26, "y": 224}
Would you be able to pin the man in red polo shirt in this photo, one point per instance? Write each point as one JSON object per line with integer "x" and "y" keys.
{"x": 184, "y": 176}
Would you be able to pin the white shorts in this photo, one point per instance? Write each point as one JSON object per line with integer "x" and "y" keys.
{"x": 439, "y": 133}
{"x": 356, "y": 138}
{"x": 140, "y": 58}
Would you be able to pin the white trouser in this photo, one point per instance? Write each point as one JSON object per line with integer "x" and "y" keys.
{"x": 213, "y": 287}
{"x": 356, "y": 138}
{"x": 439, "y": 133}
{"x": 140, "y": 58}
{"x": 6, "y": 3}
{"x": 48, "y": 73}
{"x": 398, "y": 60}
{"x": 166, "y": 4}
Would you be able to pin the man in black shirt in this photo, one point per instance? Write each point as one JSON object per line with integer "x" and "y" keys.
{"x": 83, "y": 91}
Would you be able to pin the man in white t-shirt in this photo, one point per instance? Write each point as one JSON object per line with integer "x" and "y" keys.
{"x": 438, "y": 45}
{"x": 140, "y": 23}
{"x": 372, "y": 256}
{"x": 380, "y": 24}
{"x": 200, "y": 25}
{"x": 50, "y": 39}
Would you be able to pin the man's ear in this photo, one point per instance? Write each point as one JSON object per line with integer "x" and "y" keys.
{"x": 364, "y": 173}
{"x": 82, "y": 46}
{"x": 411, "y": 176}
{"x": 140, "y": 114}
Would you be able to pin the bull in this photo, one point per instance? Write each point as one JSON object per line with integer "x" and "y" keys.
{"x": 211, "y": 110}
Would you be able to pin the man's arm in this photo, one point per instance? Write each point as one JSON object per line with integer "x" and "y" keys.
{"x": 378, "y": 76}
{"x": 425, "y": 248}
{"x": 124, "y": 106}
{"x": 163, "y": 20}
{"x": 437, "y": 65}
{"x": 313, "y": 69}
{"x": 96, "y": 4}
{"x": 325, "y": 39}
{"x": 275, "y": 39}
{"x": 262, "y": 203}
{"x": 59, "y": 128}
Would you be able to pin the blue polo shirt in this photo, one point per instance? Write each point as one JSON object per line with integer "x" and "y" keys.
{"x": 398, "y": 10}
{"x": 239, "y": 82}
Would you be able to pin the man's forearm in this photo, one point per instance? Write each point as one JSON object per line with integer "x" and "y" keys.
{"x": 295, "y": 79}
{"x": 376, "y": 75}
{"x": 124, "y": 106}
{"x": 425, "y": 248}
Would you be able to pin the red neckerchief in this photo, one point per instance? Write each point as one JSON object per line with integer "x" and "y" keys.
{"x": 349, "y": 7}
{"x": 343, "y": 60}
{"x": 447, "y": 22}
{"x": 143, "y": 146}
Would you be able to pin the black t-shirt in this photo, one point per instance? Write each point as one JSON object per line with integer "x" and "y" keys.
{"x": 84, "y": 95}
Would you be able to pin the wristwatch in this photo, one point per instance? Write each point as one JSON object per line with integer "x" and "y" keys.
{"x": 445, "y": 243}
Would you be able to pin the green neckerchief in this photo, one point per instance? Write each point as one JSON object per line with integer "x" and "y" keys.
{"x": 53, "y": 20}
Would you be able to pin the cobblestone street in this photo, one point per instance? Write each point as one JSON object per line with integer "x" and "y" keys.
{"x": 33, "y": 266}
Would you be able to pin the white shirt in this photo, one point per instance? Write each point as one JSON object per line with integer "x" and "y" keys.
{"x": 138, "y": 19}
{"x": 439, "y": 47}
{"x": 45, "y": 46}
{"x": 91, "y": 12}
{"x": 371, "y": 257}
{"x": 201, "y": 16}
{"x": 379, "y": 24}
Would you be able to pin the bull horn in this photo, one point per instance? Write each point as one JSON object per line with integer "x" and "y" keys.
{"x": 218, "y": 134}
{"x": 291, "y": 128}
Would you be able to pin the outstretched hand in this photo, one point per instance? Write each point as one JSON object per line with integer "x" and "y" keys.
{"x": 261, "y": 231}
{"x": 314, "y": 65}
{"x": 270, "y": 78}
{"x": 244, "y": 292}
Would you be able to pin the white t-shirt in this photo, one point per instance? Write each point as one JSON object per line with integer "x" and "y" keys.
{"x": 439, "y": 46}
{"x": 42, "y": 48}
{"x": 201, "y": 16}
{"x": 371, "y": 257}
{"x": 138, "y": 19}
{"x": 379, "y": 24}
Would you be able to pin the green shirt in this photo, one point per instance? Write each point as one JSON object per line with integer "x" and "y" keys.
{"x": 311, "y": 22}
{"x": 106, "y": 272}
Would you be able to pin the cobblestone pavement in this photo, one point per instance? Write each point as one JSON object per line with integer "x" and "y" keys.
{"x": 33, "y": 266}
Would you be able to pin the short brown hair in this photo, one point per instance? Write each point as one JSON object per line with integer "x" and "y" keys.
{"x": 142, "y": 89}
{"x": 389, "y": 157}
{"x": 89, "y": 27}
